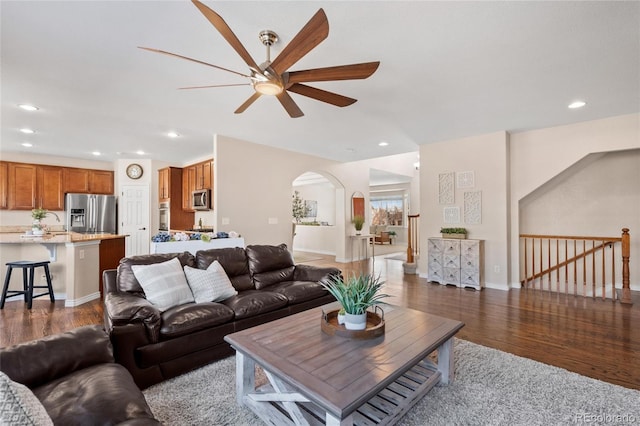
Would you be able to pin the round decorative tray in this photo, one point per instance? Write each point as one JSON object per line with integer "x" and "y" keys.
{"x": 375, "y": 325}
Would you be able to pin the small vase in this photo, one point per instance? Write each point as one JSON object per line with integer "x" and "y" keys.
{"x": 341, "y": 319}
{"x": 355, "y": 322}
{"x": 37, "y": 227}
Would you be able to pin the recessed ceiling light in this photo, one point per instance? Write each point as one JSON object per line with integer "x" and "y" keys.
{"x": 28, "y": 107}
{"x": 140, "y": 152}
{"x": 96, "y": 153}
{"x": 577, "y": 104}
{"x": 27, "y": 131}
{"x": 27, "y": 144}
{"x": 383, "y": 144}
{"x": 173, "y": 134}
{"x": 350, "y": 150}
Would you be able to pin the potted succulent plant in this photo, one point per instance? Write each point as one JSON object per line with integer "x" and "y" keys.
{"x": 460, "y": 233}
{"x": 358, "y": 222}
{"x": 356, "y": 294}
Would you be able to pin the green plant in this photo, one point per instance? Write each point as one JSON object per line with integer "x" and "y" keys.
{"x": 39, "y": 214}
{"x": 298, "y": 210}
{"x": 358, "y": 222}
{"x": 392, "y": 233}
{"x": 453, "y": 230}
{"x": 357, "y": 293}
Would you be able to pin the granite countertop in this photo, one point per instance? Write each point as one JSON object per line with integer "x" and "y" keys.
{"x": 55, "y": 237}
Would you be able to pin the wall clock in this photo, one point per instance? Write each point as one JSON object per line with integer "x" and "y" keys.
{"x": 134, "y": 171}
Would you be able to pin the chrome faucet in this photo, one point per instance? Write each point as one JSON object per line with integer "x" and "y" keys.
{"x": 57, "y": 217}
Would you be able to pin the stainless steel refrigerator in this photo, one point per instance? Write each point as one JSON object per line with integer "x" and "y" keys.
{"x": 91, "y": 213}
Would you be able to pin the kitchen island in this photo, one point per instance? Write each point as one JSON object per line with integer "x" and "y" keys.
{"x": 77, "y": 261}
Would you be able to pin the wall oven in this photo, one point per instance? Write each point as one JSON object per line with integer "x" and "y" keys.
{"x": 201, "y": 199}
{"x": 164, "y": 213}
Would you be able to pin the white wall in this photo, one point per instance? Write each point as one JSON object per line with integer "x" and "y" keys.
{"x": 509, "y": 167}
{"x": 595, "y": 197}
{"x": 486, "y": 156}
{"x": 254, "y": 188}
{"x": 325, "y": 195}
{"x": 555, "y": 154}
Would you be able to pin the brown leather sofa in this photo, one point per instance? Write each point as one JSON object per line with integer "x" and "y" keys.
{"x": 74, "y": 376}
{"x": 155, "y": 346}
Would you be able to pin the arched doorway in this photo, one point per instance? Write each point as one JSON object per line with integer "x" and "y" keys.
{"x": 320, "y": 198}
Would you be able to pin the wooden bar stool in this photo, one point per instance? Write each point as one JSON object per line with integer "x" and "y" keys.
{"x": 27, "y": 283}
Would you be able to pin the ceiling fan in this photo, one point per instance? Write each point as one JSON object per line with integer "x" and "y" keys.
{"x": 273, "y": 77}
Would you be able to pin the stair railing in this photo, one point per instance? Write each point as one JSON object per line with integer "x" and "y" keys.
{"x": 413, "y": 246}
{"x": 582, "y": 265}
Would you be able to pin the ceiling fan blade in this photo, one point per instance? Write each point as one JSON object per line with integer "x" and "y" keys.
{"x": 321, "y": 95}
{"x": 289, "y": 104}
{"x": 247, "y": 103}
{"x": 311, "y": 35}
{"x": 222, "y": 27}
{"x": 340, "y": 72}
{"x": 192, "y": 60}
{"x": 214, "y": 85}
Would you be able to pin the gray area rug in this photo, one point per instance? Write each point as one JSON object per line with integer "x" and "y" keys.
{"x": 491, "y": 388}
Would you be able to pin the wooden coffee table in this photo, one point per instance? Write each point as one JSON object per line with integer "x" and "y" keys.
{"x": 315, "y": 378}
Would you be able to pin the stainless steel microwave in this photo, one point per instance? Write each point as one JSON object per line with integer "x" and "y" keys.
{"x": 201, "y": 199}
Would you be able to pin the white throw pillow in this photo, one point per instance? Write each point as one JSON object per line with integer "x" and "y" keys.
{"x": 19, "y": 406}
{"x": 210, "y": 285}
{"x": 164, "y": 284}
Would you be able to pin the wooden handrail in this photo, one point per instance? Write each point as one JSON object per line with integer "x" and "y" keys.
{"x": 412, "y": 237}
{"x": 597, "y": 247}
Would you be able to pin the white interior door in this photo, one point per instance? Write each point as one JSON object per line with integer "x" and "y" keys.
{"x": 134, "y": 213}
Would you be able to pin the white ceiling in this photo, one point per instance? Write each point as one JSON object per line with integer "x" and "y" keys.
{"x": 448, "y": 70}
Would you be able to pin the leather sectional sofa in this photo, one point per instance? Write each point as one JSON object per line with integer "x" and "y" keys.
{"x": 155, "y": 346}
{"x": 75, "y": 380}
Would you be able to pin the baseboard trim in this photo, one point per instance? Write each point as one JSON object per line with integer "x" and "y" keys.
{"x": 70, "y": 303}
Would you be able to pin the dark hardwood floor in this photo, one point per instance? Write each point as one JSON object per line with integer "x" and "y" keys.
{"x": 595, "y": 338}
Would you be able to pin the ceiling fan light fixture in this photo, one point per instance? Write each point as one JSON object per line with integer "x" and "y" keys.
{"x": 268, "y": 88}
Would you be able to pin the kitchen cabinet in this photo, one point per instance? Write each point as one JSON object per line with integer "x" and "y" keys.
{"x": 88, "y": 181}
{"x": 203, "y": 175}
{"x": 31, "y": 186}
{"x": 21, "y": 186}
{"x": 101, "y": 182}
{"x": 170, "y": 190}
{"x": 195, "y": 177}
{"x": 188, "y": 185}
{"x": 76, "y": 180}
{"x": 49, "y": 185}
{"x": 164, "y": 185}
{"x": 4, "y": 185}
{"x": 455, "y": 261}
{"x": 26, "y": 186}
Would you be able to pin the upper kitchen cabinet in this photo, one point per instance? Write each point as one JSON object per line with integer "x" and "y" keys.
{"x": 4, "y": 185}
{"x": 204, "y": 178}
{"x": 88, "y": 181}
{"x": 76, "y": 180}
{"x": 49, "y": 184}
{"x": 30, "y": 186}
{"x": 101, "y": 182}
{"x": 164, "y": 185}
{"x": 195, "y": 177}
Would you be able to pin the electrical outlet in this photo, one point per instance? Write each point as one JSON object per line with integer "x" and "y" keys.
{"x": 496, "y": 268}
{"x": 225, "y": 220}
{"x": 273, "y": 221}
{"x": 44, "y": 277}
{"x": 81, "y": 254}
